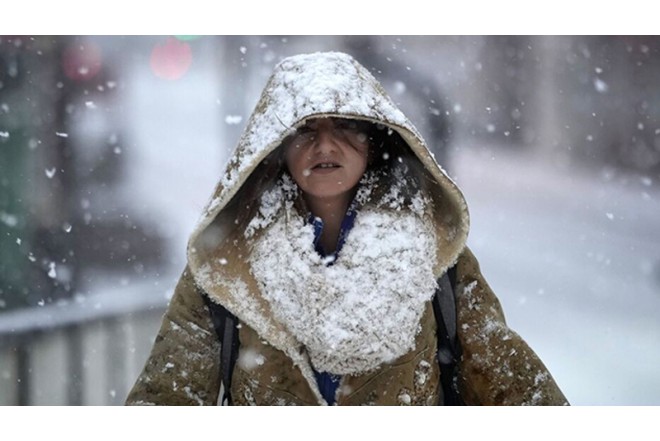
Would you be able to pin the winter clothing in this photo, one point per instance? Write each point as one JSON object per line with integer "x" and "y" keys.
{"x": 368, "y": 316}
{"x": 328, "y": 383}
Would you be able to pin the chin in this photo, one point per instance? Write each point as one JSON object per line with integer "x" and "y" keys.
{"x": 328, "y": 194}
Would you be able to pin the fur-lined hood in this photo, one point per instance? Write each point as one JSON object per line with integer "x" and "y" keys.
{"x": 302, "y": 87}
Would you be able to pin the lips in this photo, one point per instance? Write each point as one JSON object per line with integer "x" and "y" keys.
{"x": 325, "y": 166}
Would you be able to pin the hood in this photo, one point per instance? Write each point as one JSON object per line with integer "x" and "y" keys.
{"x": 302, "y": 87}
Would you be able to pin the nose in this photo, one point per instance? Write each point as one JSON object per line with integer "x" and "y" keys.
{"x": 325, "y": 139}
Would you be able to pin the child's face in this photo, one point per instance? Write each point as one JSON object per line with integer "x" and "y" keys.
{"x": 328, "y": 156}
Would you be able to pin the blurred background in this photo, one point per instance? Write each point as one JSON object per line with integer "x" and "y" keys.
{"x": 111, "y": 146}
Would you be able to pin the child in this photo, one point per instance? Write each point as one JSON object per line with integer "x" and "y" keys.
{"x": 326, "y": 238}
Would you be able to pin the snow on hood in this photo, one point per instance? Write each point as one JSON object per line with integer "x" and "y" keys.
{"x": 301, "y": 87}
{"x": 314, "y": 85}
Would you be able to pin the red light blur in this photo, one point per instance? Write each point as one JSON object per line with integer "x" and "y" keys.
{"x": 171, "y": 60}
{"x": 81, "y": 61}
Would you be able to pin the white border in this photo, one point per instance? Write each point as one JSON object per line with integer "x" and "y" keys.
{"x": 296, "y": 17}
{"x": 179, "y": 423}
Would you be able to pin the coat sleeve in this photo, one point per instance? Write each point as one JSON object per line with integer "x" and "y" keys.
{"x": 497, "y": 366}
{"x": 183, "y": 367}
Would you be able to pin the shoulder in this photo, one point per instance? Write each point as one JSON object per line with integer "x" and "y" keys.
{"x": 497, "y": 366}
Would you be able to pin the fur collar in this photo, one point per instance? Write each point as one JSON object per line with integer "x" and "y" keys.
{"x": 364, "y": 309}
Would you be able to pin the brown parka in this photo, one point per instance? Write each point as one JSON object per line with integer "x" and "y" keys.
{"x": 497, "y": 367}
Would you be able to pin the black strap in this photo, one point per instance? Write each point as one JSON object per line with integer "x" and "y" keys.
{"x": 449, "y": 348}
{"x": 224, "y": 323}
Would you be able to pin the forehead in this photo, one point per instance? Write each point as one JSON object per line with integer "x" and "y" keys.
{"x": 333, "y": 120}
{"x": 313, "y": 122}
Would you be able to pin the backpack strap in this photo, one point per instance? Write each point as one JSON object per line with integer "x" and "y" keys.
{"x": 449, "y": 348}
{"x": 224, "y": 323}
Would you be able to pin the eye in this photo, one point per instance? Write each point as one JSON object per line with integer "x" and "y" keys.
{"x": 356, "y": 132}
{"x": 304, "y": 135}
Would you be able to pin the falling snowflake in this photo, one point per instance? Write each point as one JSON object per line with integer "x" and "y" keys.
{"x": 233, "y": 119}
{"x": 600, "y": 85}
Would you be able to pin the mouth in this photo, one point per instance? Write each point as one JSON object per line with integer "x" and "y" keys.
{"x": 326, "y": 166}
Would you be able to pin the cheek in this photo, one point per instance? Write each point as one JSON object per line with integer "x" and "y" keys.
{"x": 358, "y": 168}
{"x": 364, "y": 158}
{"x": 294, "y": 164}
{"x": 291, "y": 159}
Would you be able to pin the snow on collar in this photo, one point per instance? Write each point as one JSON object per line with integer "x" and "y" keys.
{"x": 365, "y": 309}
